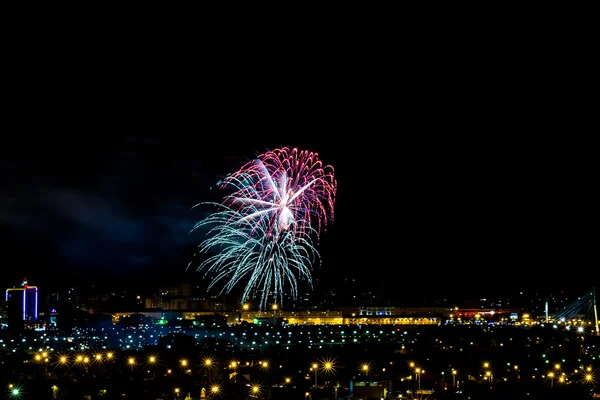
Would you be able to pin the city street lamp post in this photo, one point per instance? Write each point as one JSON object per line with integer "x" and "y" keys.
{"x": 454, "y": 377}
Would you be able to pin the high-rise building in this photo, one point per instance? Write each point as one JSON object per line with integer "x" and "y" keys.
{"x": 22, "y": 305}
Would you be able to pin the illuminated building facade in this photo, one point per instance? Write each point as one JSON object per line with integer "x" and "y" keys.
{"x": 306, "y": 317}
{"x": 22, "y": 305}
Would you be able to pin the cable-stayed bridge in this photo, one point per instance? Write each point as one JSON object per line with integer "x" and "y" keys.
{"x": 582, "y": 311}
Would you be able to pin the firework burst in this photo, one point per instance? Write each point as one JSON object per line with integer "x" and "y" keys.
{"x": 265, "y": 231}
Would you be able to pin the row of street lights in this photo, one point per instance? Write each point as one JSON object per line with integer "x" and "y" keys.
{"x": 326, "y": 366}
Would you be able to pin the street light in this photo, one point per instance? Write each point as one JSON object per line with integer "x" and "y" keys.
{"x": 233, "y": 365}
{"x": 208, "y": 363}
{"x": 454, "y": 377}
{"x": 255, "y": 391}
{"x": 315, "y": 366}
{"x": 365, "y": 368}
{"x": 488, "y": 372}
{"x": 328, "y": 366}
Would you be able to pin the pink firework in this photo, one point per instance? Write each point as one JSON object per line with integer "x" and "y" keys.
{"x": 284, "y": 188}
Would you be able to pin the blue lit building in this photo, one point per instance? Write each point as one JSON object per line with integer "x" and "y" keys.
{"x": 22, "y": 305}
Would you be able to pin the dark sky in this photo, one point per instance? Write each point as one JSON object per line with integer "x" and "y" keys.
{"x": 450, "y": 177}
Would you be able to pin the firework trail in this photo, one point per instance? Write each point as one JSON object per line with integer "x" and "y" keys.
{"x": 264, "y": 233}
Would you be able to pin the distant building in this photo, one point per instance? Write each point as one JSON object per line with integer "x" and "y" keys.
{"x": 3, "y": 315}
{"x": 22, "y": 305}
{"x": 368, "y": 390}
{"x": 179, "y": 298}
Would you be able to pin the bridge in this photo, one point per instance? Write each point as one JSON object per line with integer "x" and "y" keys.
{"x": 582, "y": 310}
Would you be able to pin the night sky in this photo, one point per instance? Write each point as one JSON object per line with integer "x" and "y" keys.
{"x": 446, "y": 181}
